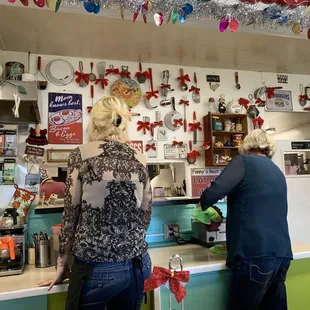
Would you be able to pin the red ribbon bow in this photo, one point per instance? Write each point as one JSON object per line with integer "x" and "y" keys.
{"x": 103, "y": 82}
{"x": 244, "y": 102}
{"x": 186, "y": 102}
{"x": 193, "y": 126}
{"x": 125, "y": 74}
{"x": 81, "y": 76}
{"x": 302, "y": 97}
{"x": 258, "y": 122}
{"x": 260, "y": 101}
{"x": 175, "y": 143}
{"x": 145, "y": 73}
{"x": 193, "y": 154}
{"x": 206, "y": 145}
{"x": 177, "y": 122}
{"x": 150, "y": 146}
{"x": 159, "y": 123}
{"x": 143, "y": 125}
{"x": 270, "y": 92}
{"x": 150, "y": 94}
{"x": 195, "y": 89}
{"x": 89, "y": 109}
{"x": 161, "y": 276}
{"x": 165, "y": 86}
{"x": 110, "y": 71}
{"x": 183, "y": 78}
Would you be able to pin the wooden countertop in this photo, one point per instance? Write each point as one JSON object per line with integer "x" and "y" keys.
{"x": 196, "y": 258}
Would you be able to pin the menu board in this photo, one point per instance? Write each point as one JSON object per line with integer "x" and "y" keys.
{"x": 202, "y": 178}
{"x": 65, "y": 118}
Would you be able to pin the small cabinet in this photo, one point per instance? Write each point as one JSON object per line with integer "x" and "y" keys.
{"x": 226, "y": 132}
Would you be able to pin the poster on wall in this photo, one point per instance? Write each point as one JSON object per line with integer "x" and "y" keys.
{"x": 137, "y": 145}
{"x": 202, "y": 178}
{"x": 65, "y": 118}
{"x": 175, "y": 152}
{"x": 281, "y": 101}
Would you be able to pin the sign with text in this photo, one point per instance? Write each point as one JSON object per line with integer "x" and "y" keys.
{"x": 136, "y": 145}
{"x": 65, "y": 118}
{"x": 175, "y": 152}
{"x": 282, "y": 78}
{"x": 202, "y": 178}
{"x": 213, "y": 78}
{"x": 33, "y": 150}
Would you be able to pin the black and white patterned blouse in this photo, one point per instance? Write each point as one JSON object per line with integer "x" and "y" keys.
{"x": 108, "y": 202}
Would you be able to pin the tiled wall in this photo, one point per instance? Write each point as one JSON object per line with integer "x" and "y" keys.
{"x": 180, "y": 214}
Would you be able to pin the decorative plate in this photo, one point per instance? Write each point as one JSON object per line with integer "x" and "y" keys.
{"x": 127, "y": 90}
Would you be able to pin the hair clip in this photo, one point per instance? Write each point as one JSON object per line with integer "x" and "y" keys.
{"x": 118, "y": 121}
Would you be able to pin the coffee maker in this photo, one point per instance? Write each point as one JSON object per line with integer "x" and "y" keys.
{"x": 12, "y": 243}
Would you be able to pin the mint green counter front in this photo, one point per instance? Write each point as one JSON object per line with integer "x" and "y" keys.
{"x": 207, "y": 288}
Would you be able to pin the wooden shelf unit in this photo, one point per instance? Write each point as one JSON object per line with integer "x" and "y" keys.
{"x": 221, "y": 135}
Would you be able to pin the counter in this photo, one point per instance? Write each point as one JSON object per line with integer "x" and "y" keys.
{"x": 196, "y": 259}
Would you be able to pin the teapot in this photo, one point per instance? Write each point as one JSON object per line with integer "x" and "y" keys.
{"x": 11, "y": 222}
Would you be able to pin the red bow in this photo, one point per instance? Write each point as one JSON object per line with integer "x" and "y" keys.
{"x": 258, "y": 122}
{"x": 114, "y": 71}
{"x": 193, "y": 126}
{"x": 89, "y": 109}
{"x": 161, "y": 276}
{"x": 103, "y": 82}
{"x": 175, "y": 143}
{"x": 206, "y": 145}
{"x": 186, "y": 102}
{"x": 183, "y": 78}
{"x": 145, "y": 73}
{"x": 302, "y": 97}
{"x": 81, "y": 76}
{"x": 150, "y": 146}
{"x": 270, "y": 92}
{"x": 244, "y": 102}
{"x": 159, "y": 123}
{"x": 150, "y": 94}
{"x": 125, "y": 74}
{"x": 193, "y": 154}
{"x": 260, "y": 101}
{"x": 143, "y": 125}
{"x": 165, "y": 86}
{"x": 195, "y": 89}
{"x": 177, "y": 122}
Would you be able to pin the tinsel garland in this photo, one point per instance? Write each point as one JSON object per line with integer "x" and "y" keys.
{"x": 260, "y": 15}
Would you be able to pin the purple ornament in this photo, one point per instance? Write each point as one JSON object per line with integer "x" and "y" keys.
{"x": 223, "y": 24}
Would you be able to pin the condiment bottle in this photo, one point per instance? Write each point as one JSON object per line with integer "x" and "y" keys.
{"x": 238, "y": 125}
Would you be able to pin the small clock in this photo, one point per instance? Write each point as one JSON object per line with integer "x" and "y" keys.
{"x": 128, "y": 90}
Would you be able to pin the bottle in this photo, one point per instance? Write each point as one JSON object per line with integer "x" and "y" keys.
{"x": 238, "y": 125}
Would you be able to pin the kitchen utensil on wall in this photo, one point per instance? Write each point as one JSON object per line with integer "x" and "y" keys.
{"x": 252, "y": 110}
{"x": 162, "y": 134}
{"x": 84, "y": 80}
{"x": 302, "y": 97}
{"x": 195, "y": 90}
{"x": 238, "y": 86}
{"x": 140, "y": 75}
{"x": 59, "y": 72}
{"x": 151, "y": 146}
{"x": 91, "y": 76}
{"x": 101, "y": 66}
{"x": 151, "y": 95}
{"x": 173, "y": 119}
{"x": 190, "y": 159}
{"x": 182, "y": 78}
{"x": 42, "y": 84}
{"x": 144, "y": 125}
{"x": 165, "y": 86}
{"x": 184, "y": 120}
{"x": 195, "y": 129}
{"x": 262, "y": 90}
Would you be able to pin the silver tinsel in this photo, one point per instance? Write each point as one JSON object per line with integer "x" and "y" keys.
{"x": 245, "y": 14}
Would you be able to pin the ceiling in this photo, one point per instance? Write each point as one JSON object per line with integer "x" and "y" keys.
{"x": 86, "y": 35}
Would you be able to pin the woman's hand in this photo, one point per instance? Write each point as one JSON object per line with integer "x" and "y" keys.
{"x": 62, "y": 273}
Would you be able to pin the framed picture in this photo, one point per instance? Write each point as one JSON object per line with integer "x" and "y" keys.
{"x": 280, "y": 102}
{"x": 58, "y": 156}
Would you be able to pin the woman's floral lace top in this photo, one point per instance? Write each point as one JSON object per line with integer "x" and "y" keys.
{"x": 108, "y": 203}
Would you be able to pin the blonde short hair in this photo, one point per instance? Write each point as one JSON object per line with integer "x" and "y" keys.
{"x": 109, "y": 119}
{"x": 258, "y": 141}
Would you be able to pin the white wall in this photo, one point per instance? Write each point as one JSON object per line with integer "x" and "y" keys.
{"x": 299, "y": 133}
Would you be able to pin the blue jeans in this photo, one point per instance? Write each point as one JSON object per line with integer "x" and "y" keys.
{"x": 258, "y": 284}
{"x": 117, "y": 286}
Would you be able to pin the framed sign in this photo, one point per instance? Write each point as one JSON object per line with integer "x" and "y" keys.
{"x": 175, "y": 152}
{"x": 136, "y": 145}
{"x": 202, "y": 178}
{"x": 280, "y": 102}
{"x": 58, "y": 156}
{"x": 33, "y": 150}
{"x": 213, "y": 78}
{"x": 282, "y": 78}
{"x": 65, "y": 118}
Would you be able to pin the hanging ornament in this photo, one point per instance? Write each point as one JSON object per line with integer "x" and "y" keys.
{"x": 11, "y": 1}
{"x": 223, "y": 24}
{"x": 158, "y": 19}
{"x": 92, "y": 6}
{"x": 39, "y": 3}
{"x": 24, "y": 2}
{"x": 174, "y": 17}
{"x": 182, "y": 17}
{"x": 308, "y": 34}
{"x": 296, "y": 28}
{"x": 233, "y": 25}
{"x": 188, "y": 9}
{"x": 57, "y": 6}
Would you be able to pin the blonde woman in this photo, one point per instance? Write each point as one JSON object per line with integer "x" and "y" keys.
{"x": 107, "y": 212}
{"x": 258, "y": 242}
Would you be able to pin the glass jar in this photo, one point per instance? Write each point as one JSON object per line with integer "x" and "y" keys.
{"x": 238, "y": 125}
